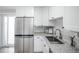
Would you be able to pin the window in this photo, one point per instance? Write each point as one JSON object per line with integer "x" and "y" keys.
{"x": 9, "y": 22}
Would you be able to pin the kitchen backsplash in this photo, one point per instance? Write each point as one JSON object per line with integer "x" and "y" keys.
{"x": 38, "y": 29}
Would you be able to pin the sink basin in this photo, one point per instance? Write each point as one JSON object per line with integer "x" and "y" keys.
{"x": 53, "y": 40}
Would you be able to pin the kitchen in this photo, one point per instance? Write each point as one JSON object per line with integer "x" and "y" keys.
{"x": 54, "y": 29}
{"x": 45, "y": 28}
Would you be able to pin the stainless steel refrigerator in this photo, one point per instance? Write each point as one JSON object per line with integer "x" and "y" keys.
{"x": 24, "y": 37}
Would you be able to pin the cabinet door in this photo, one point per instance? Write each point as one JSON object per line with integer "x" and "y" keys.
{"x": 38, "y": 45}
{"x": 37, "y": 16}
{"x": 59, "y": 11}
{"x": 45, "y": 48}
{"x": 51, "y": 12}
{"x": 41, "y": 16}
{"x": 56, "y": 11}
{"x": 45, "y": 14}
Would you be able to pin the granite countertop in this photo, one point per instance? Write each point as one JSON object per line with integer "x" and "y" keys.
{"x": 42, "y": 34}
{"x": 57, "y": 48}
{"x": 60, "y": 48}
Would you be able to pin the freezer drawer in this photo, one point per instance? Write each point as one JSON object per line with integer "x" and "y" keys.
{"x": 24, "y": 44}
{"x": 19, "y": 44}
{"x": 28, "y": 44}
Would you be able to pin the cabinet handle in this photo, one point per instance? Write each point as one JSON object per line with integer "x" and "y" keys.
{"x": 44, "y": 45}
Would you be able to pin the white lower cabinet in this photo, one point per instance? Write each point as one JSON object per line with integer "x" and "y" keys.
{"x": 40, "y": 45}
{"x": 45, "y": 48}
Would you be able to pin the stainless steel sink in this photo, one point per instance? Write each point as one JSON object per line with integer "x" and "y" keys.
{"x": 53, "y": 40}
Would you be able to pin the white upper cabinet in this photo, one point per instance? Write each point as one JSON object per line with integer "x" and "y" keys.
{"x": 45, "y": 13}
{"x": 71, "y": 18}
{"x": 41, "y": 16}
{"x": 51, "y": 12}
{"x": 25, "y": 11}
{"x": 45, "y": 16}
{"x": 56, "y": 11}
{"x": 37, "y": 16}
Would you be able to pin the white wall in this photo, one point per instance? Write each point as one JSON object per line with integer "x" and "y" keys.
{"x": 71, "y": 18}
{"x": 25, "y": 11}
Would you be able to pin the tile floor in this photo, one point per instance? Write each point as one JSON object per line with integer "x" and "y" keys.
{"x": 56, "y": 49}
{"x": 7, "y": 50}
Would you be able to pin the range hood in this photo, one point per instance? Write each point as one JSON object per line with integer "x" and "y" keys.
{"x": 55, "y": 18}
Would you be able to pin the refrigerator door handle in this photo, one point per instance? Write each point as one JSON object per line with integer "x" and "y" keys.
{"x": 24, "y": 36}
